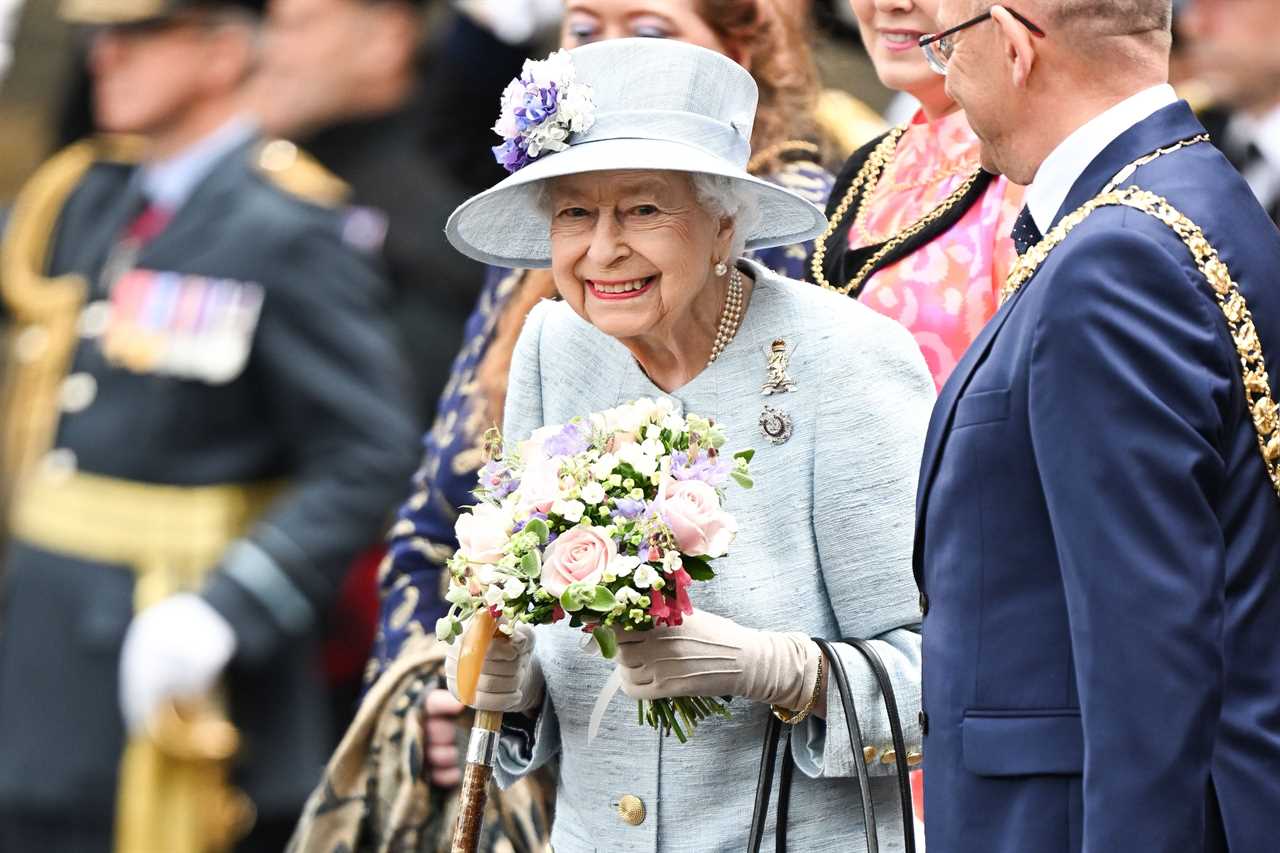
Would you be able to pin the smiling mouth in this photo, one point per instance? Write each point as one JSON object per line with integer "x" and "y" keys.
{"x": 900, "y": 40}
{"x": 628, "y": 289}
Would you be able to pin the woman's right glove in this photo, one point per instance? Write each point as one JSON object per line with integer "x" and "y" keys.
{"x": 510, "y": 679}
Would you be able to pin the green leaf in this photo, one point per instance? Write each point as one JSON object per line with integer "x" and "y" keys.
{"x": 745, "y": 455}
{"x": 607, "y": 641}
{"x": 742, "y": 479}
{"x": 531, "y": 564}
{"x": 602, "y": 601}
{"x": 571, "y": 601}
{"x": 698, "y": 568}
{"x": 539, "y": 528}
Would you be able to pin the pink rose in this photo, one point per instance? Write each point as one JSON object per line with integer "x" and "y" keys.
{"x": 692, "y": 510}
{"x": 539, "y": 482}
{"x": 579, "y": 555}
{"x": 483, "y": 533}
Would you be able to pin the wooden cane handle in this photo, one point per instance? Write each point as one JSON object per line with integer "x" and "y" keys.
{"x": 475, "y": 645}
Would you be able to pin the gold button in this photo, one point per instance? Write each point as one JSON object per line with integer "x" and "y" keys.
{"x": 278, "y": 155}
{"x": 914, "y": 759}
{"x": 889, "y": 757}
{"x": 59, "y": 465}
{"x": 869, "y": 754}
{"x": 631, "y": 809}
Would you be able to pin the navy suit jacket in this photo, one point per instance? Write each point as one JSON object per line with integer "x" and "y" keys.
{"x": 1098, "y": 544}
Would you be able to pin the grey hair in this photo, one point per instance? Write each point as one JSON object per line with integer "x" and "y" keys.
{"x": 726, "y": 198}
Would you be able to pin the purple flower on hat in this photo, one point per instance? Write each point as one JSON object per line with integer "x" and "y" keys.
{"x": 540, "y": 110}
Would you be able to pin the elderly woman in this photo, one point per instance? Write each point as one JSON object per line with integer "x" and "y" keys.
{"x": 643, "y": 219}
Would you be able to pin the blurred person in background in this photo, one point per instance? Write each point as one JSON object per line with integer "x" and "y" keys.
{"x": 205, "y": 420}
{"x": 9, "y": 10}
{"x": 774, "y": 49}
{"x": 341, "y": 78}
{"x": 1233, "y": 50}
{"x": 918, "y": 231}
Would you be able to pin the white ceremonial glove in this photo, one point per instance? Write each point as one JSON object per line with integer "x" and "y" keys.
{"x": 709, "y": 655}
{"x": 174, "y": 649}
{"x": 510, "y": 679}
{"x": 514, "y": 21}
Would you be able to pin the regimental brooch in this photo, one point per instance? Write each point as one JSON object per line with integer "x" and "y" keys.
{"x": 776, "y": 424}
{"x": 778, "y": 381}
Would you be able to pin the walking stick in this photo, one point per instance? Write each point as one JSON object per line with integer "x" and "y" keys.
{"x": 483, "y": 744}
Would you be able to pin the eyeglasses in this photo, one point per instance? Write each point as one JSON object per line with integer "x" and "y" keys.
{"x": 938, "y": 47}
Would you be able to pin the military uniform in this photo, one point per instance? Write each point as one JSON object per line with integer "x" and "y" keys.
{"x": 213, "y": 402}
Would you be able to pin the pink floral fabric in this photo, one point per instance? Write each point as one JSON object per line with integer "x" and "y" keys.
{"x": 946, "y": 291}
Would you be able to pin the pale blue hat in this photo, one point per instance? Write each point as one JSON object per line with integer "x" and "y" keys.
{"x": 653, "y": 104}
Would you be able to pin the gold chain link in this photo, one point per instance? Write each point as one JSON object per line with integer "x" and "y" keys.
{"x": 1261, "y": 405}
{"x": 867, "y": 179}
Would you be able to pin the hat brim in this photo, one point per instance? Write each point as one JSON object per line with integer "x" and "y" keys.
{"x": 507, "y": 227}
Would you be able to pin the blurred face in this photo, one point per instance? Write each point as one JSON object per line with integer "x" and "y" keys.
{"x": 1234, "y": 46}
{"x": 586, "y": 21}
{"x": 632, "y": 252}
{"x": 891, "y": 31}
{"x": 315, "y": 55}
{"x": 146, "y": 77}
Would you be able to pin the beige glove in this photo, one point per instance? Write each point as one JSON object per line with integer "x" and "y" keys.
{"x": 709, "y": 655}
{"x": 510, "y": 679}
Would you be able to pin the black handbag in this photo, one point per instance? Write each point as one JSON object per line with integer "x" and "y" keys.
{"x": 774, "y": 734}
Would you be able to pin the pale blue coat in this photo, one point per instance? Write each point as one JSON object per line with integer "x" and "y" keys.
{"x": 824, "y": 548}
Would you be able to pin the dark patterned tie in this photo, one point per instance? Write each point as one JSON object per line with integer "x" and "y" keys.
{"x": 1025, "y": 232}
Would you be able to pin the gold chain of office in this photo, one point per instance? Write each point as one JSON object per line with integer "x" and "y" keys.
{"x": 1253, "y": 367}
{"x": 866, "y": 182}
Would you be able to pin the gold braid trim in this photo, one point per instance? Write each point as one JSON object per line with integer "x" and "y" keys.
{"x": 865, "y": 183}
{"x": 1253, "y": 368}
{"x": 44, "y": 310}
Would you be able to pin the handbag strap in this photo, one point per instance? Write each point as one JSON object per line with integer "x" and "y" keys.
{"x": 773, "y": 733}
{"x": 899, "y": 741}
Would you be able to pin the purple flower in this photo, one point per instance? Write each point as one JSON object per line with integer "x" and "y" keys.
{"x": 570, "y": 441}
{"x": 497, "y": 479}
{"x": 627, "y": 508}
{"x": 539, "y": 105}
{"x": 512, "y": 155}
{"x": 712, "y": 471}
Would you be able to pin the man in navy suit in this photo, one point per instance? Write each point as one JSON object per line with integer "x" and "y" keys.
{"x": 1098, "y": 534}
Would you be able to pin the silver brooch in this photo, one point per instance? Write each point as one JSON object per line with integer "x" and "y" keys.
{"x": 775, "y": 425}
{"x": 778, "y": 381}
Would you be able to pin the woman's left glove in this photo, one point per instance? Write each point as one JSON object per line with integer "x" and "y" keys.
{"x": 709, "y": 655}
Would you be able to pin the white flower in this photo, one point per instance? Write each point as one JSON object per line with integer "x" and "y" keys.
{"x": 623, "y": 565}
{"x": 593, "y": 493}
{"x": 570, "y": 511}
{"x": 671, "y": 562}
{"x": 603, "y": 467}
{"x": 627, "y": 595}
{"x": 635, "y": 455}
{"x": 493, "y": 595}
{"x": 513, "y": 588}
{"x": 645, "y": 576}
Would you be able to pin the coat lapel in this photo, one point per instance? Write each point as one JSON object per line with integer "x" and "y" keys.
{"x": 1165, "y": 127}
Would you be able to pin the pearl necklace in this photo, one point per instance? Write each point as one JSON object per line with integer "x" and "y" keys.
{"x": 730, "y": 317}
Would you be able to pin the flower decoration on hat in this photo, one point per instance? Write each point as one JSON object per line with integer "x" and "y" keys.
{"x": 540, "y": 110}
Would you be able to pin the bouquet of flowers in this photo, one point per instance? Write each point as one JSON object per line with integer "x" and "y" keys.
{"x": 606, "y": 521}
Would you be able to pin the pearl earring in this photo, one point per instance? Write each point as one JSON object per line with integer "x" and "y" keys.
{"x": 721, "y": 269}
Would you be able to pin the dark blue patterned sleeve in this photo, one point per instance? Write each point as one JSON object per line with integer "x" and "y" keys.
{"x": 811, "y": 182}
{"x": 412, "y": 576}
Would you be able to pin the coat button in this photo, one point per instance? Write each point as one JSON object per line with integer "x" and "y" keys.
{"x": 869, "y": 754}
{"x": 888, "y": 757}
{"x": 95, "y": 319}
{"x": 924, "y": 604}
{"x": 914, "y": 759}
{"x": 77, "y": 392}
{"x": 924, "y": 723}
{"x": 631, "y": 810}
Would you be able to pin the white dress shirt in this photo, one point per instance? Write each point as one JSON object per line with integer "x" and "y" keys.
{"x": 1064, "y": 166}
{"x": 168, "y": 183}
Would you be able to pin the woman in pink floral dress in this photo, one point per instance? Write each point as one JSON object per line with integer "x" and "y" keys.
{"x": 918, "y": 231}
